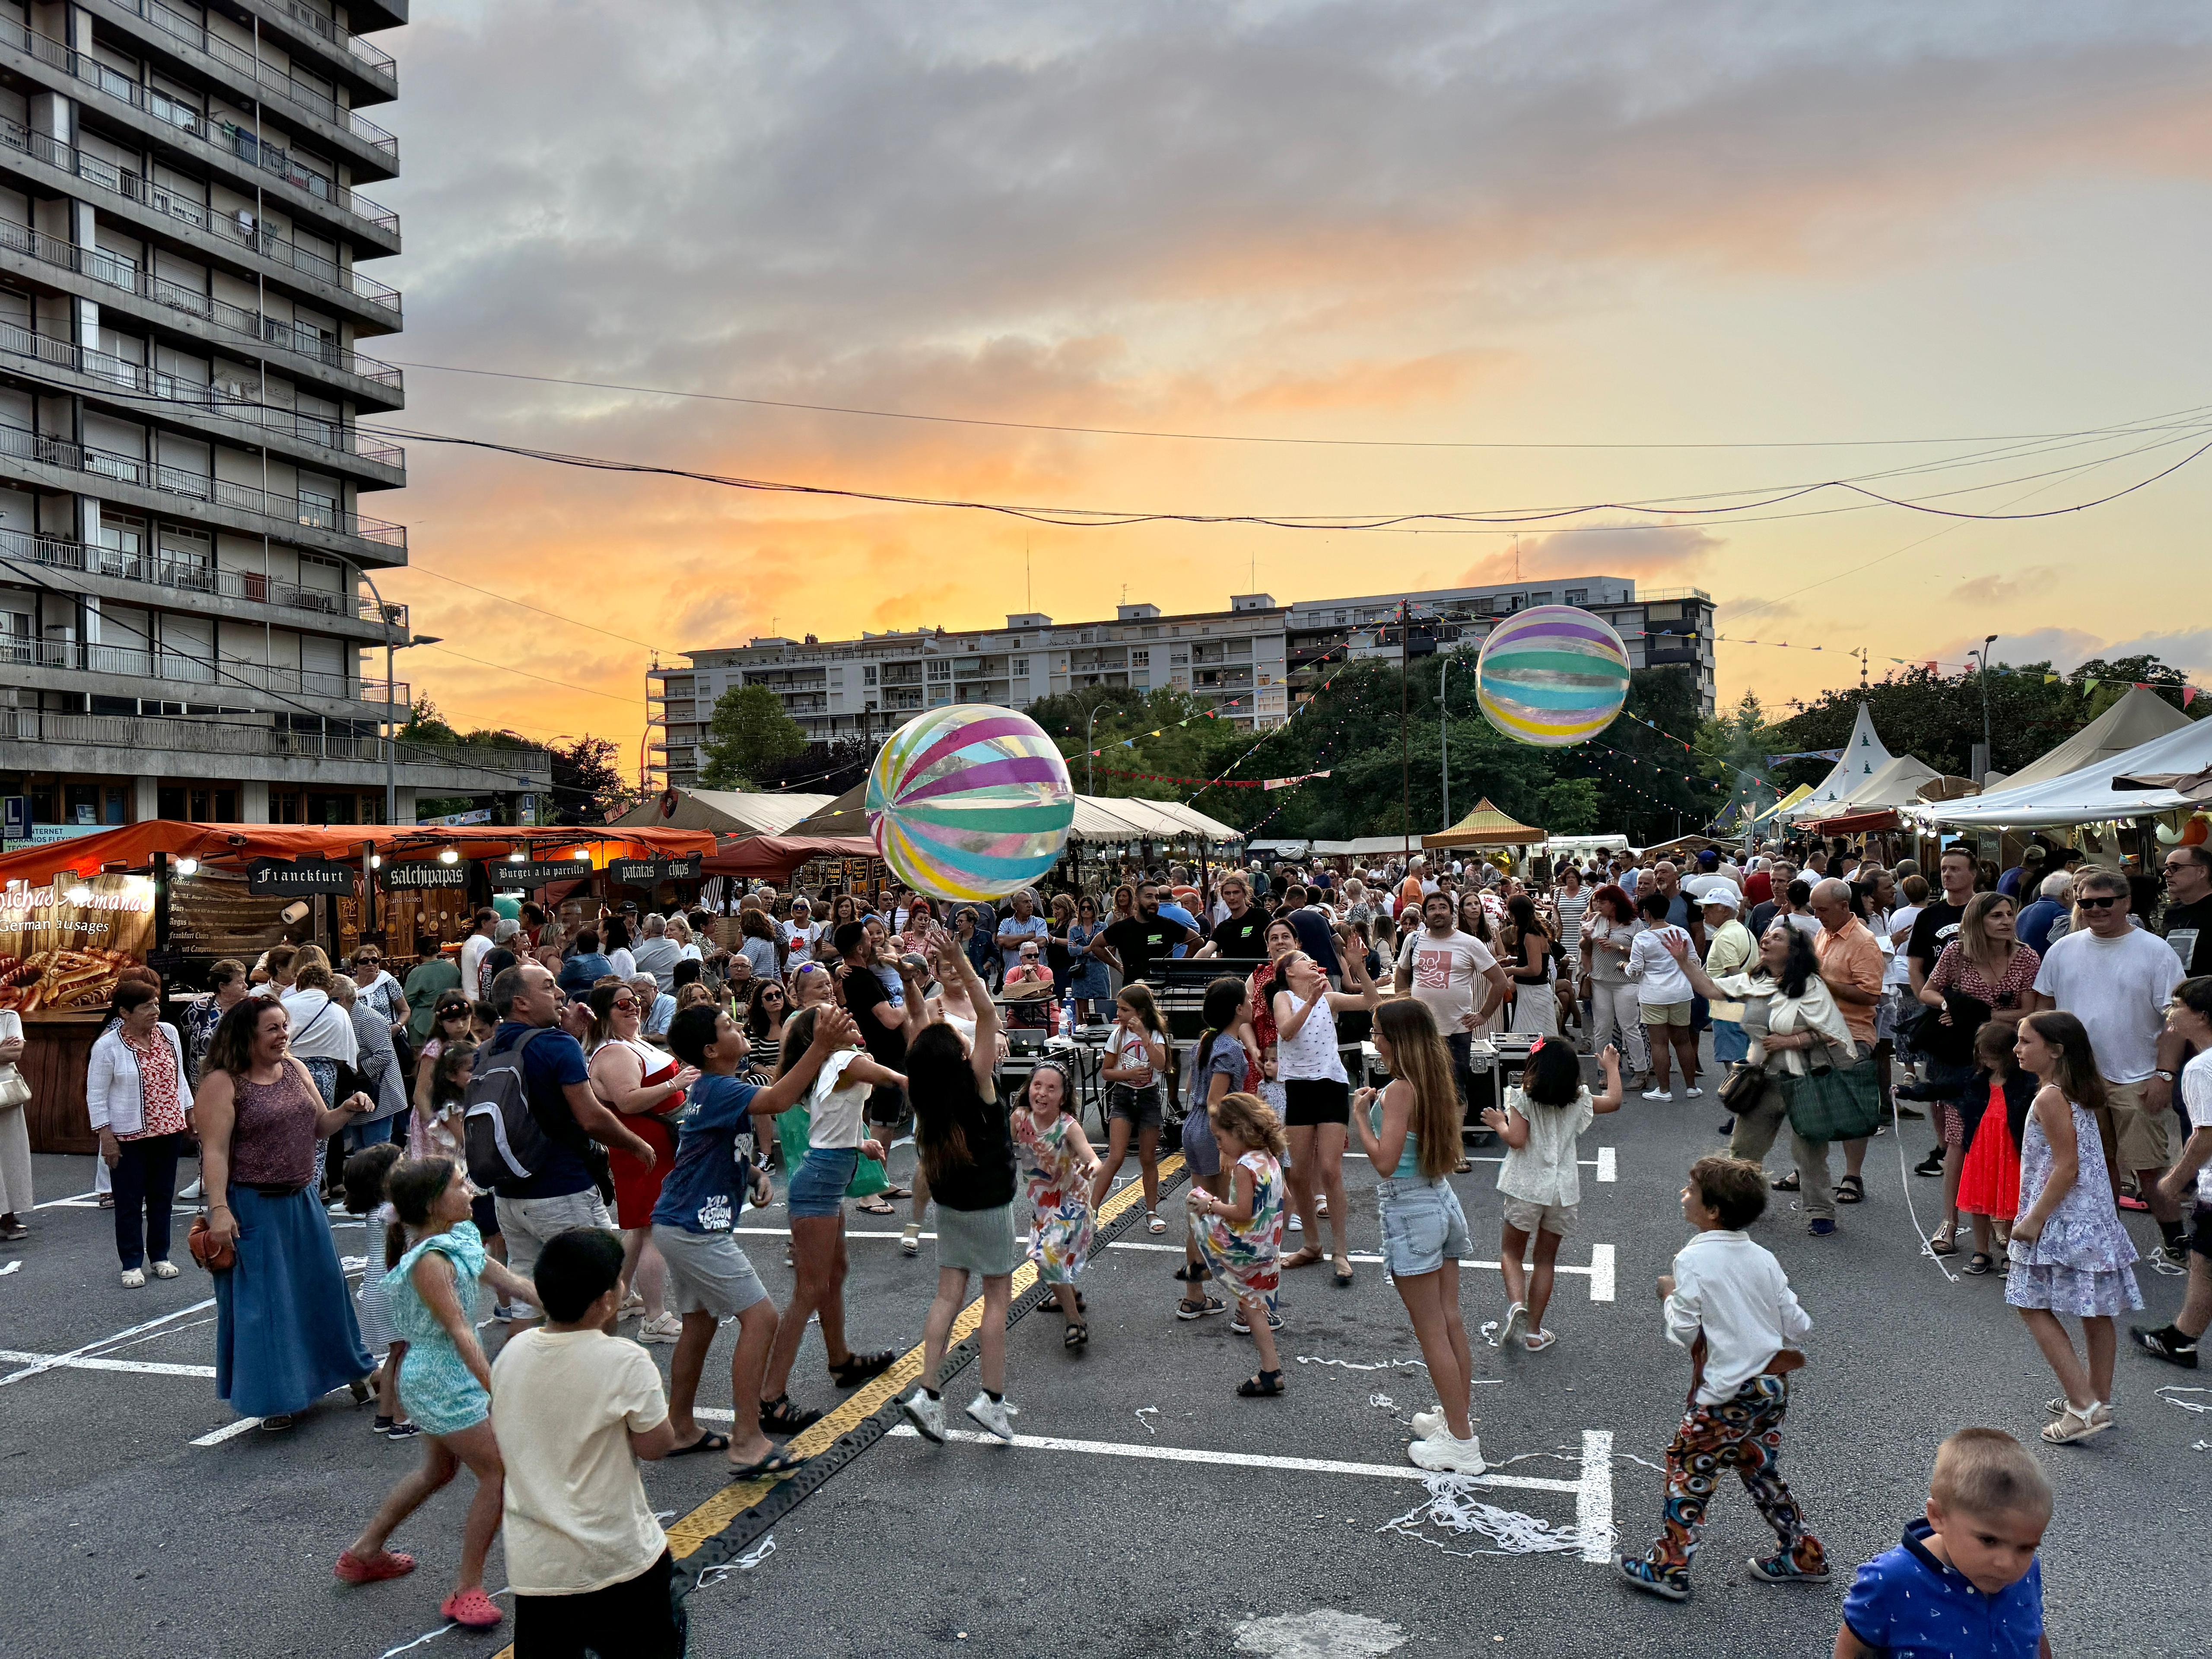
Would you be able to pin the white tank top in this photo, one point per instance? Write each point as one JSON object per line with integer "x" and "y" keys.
{"x": 1311, "y": 1055}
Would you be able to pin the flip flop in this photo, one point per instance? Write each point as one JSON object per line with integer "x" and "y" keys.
{"x": 897, "y": 1192}
{"x": 708, "y": 1441}
{"x": 774, "y": 1467}
{"x": 870, "y": 1207}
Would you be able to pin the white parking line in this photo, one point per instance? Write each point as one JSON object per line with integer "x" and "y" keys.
{"x": 228, "y": 1431}
{"x": 45, "y": 1362}
{"x": 1607, "y": 1164}
{"x": 50, "y": 1362}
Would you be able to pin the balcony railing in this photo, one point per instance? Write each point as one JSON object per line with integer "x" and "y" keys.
{"x": 251, "y": 327}
{"x": 371, "y": 60}
{"x": 184, "y": 573}
{"x": 235, "y": 405}
{"x": 240, "y": 141}
{"x": 286, "y": 513}
{"x": 240, "y": 228}
{"x": 177, "y": 668}
{"x": 158, "y": 734}
{"x": 271, "y": 80}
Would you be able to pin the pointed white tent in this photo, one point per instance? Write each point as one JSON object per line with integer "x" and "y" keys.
{"x": 1864, "y": 754}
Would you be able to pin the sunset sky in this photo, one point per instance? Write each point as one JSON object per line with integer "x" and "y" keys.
{"x": 1564, "y": 226}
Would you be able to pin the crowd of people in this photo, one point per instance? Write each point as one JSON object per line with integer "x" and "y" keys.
{"x": 571, "y": 1111}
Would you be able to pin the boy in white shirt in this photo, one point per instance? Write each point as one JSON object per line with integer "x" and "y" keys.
{"x": 1730, "y": 1303}
{"x": 573, "y": 1407}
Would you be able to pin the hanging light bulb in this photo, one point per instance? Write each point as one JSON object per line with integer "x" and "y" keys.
{"x": 447, "y": 855}
{"x": 376, "y": 860}
{"x": 514, "y": 855}
{"x": 188, "y": 866}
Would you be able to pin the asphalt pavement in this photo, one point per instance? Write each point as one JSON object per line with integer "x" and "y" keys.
{"x": 1145, "y": 1509}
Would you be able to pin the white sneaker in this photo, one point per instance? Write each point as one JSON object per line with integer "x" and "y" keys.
{"x": 192, "y": 1191}
{"x": 992, "y": 1414}
{"x": 925, "y": 1414}
{"x": 1658, "y": 1094}
{"x": 1426, "y": 1423}
{"x": 1445, "y": 1455}
{"x": 1294, "y": 1223}
{"x": 1693, "y": 1092}
{"x": 163, "y": 1269}
{"x": 663, "y": 1330}
{"x": 133, "y": 1278}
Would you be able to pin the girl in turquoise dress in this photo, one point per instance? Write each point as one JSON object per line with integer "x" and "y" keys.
{"x": 1241, "y": 1237}
{"x": 1056, "y": 1156}
{"x": 445, "y": 1382}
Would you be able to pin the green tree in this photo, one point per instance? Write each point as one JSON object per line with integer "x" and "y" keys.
{"x": 1569, "y": 807}
{"x": 588, "y": 787}
{"x": 747, "y": 734}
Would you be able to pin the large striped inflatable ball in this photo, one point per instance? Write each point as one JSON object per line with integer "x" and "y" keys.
{"x": 970, "y": 802}
{"x": 1551, "y": 676}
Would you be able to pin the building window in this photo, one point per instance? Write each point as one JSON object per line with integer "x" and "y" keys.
{"x": 868, "y": 676}
{"x": 1578, "y": 596}
{"x": 1140, "y": 658}
{"x": 1021, "y": 668}
{"x": 940, "y": 669}
{"x": 1541, "y": 595}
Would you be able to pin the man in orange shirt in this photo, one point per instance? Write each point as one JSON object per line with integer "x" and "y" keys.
{"x": 1410, "y": 890}
{"x": 1851, "y": 968}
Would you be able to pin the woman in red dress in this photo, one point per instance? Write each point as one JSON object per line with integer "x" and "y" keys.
{"x": 646, "y": 1086}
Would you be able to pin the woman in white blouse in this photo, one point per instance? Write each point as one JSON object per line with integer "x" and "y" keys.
{"x": 1787, "y": 1017}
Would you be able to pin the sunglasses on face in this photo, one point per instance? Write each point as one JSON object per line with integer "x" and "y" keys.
{"x": 771, "y": 996}
{"x": 2104, "y": 903}
{"x": 628, "y": 1003}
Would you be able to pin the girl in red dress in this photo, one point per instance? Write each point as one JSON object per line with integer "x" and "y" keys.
{"x": 1988, "y": 1180}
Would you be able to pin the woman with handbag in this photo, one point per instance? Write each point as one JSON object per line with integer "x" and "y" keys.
{"x": 15, "y": 1133}
{"x": 137, "y": 1097}
{"x": 285, "y": 1332}
{"x": 1795, "y": 1032}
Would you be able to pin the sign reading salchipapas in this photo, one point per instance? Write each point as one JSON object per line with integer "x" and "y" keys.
{"x": 274, "y": 876}
{"x": 425, "y": 873}
{"x": 641, "y": 872}
{"x": 62, "y": 949}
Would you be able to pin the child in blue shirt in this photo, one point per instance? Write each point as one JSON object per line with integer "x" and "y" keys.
{"x": 1963, "y": 1582}
{"x": 708, "y": 1276}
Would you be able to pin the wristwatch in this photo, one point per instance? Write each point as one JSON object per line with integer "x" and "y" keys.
{"x": 2163, "y": 1073}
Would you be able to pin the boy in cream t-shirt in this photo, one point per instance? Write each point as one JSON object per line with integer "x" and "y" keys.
{"x": 573, "y": 1408}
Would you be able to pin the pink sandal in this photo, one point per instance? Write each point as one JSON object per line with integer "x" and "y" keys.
{"x": 385, "y": 1564}
{"x": 471, "y": 1608}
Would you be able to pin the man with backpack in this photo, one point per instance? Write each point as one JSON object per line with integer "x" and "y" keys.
{"x": 532, "y": 1118}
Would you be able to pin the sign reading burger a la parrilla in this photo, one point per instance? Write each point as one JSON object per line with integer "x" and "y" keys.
{"x": 63, "y": 947}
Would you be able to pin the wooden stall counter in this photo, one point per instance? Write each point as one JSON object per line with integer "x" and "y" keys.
{"x": 57, "y": 1054}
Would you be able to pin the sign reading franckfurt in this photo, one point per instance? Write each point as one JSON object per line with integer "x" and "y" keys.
{"x": 271, "y": 875}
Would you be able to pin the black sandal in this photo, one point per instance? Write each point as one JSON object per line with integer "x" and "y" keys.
{"x": 708, "y": 1441}
{"x": 1077, "y": 1333}
{"x": 1191, "y": 1272}
{"x": 896, "y": 1192}
{"x": 1851, "y": 1190}
{"x": 774, "y": 1467}
{"x": 780, "y": 1416}
{"x": 1789, "y": 1183}
{"x": 1977, "y": 1264}
{"x": 1264, "y": 1385}
{"x": 860, "y": 1367}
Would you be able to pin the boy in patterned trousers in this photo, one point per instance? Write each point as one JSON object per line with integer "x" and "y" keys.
{"x": 1729, "y": 1302}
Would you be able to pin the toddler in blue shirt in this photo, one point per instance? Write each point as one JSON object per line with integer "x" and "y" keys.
{"x": 1963, "y": 1582}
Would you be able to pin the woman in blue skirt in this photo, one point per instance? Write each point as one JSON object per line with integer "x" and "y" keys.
{"x": 285, "y": 1333}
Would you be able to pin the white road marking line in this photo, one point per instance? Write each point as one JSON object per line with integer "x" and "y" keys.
{"x": 75, "y": 1200}
{"x": 1593, "y": 1496}
{"x": 1600, "y": 1272}
{"x": 229, "y": 1430}
{"x": 1607, "y": 1164}
{"x": 41, "y": 1362}
{"x": 49, "y": 1362}
{"x": 1248, "y": 1459}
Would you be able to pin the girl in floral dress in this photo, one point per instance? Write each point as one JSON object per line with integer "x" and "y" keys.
{"x": 1241, "y": 1237}
{"x": 1056, "y": 1156}
{"x": 2069, "y": 1253}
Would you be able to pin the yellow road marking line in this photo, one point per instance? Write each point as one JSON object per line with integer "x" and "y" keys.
{"x": 693, "y": 1532}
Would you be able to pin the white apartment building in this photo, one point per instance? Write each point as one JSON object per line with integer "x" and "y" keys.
{"x": 189, "y": 626}
{"x": 1253, "y": 663}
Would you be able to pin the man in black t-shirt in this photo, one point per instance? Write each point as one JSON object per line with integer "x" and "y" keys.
{"x": 1315, "y": 937}
{"x": 885, "y": 1026}
{"x": 1936, "y": 926}
{"x": 1242, "y": 935}
{"x": 2187, "y": 923}
{"x": 1138, "y": 941}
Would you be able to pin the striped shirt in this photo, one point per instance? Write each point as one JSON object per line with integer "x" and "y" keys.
{"x": 1571, "y": 907}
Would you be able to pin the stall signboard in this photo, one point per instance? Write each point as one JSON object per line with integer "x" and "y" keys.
{"x": 270, "y": 876}
{"x": 536, "y": 872}
{"x": 62, "y": 947}
{"x": 647, "y": 872}
{"x": 422, "y": 873}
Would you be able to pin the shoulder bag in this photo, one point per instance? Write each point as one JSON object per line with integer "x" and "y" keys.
{"x": 1832, "y": 1102}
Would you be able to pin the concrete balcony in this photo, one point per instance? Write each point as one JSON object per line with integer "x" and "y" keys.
{"x": 165, "y": 581}
{"x": 33, "y": 741}
{"x": 183, "y": 45}
{"x": 235, "y": 240}
{"x": 72, "y": 666}
{"x": 131, "y": 390}
{"x": 109, "y": 280}
{"x": 58, "y": 464}
{"x": 221, "y": 147}
{"x": 367, "y": 69}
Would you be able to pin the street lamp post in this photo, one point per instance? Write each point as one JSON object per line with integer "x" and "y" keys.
{"x": 1443, "y": 731}
{"x": 1089, "y": 781}
{"x": 390, "y": 705}
{"x": 1989, "y": 751}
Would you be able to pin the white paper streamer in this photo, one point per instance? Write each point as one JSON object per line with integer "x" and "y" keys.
{"x": 1354, "y": 1365}
{"x": 1142, "y": 1411}
{"x": 1646, "y": 1461}
{"x": 2168, "y": 1394}
{"x": 9, "y": 1268}
{"x": 745, "y": 1563}
{"x": 1489, "y": 1332}
{"x": 1452, "y": 1507}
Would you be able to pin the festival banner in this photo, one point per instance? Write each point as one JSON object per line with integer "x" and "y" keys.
{"x": 62, "y": 947}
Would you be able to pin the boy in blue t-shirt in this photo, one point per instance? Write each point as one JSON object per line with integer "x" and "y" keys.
{"x": 1963, "y": 1583}
{"x": 708, "y": 1276}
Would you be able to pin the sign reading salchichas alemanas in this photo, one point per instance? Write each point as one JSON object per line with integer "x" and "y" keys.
{"x": 62, "y": 947}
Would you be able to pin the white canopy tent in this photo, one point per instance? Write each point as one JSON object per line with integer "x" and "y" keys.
{"x": 1863, "y": 755}
{"x": 2085, "y": 795}
{"x": 2134, "y": 720}
{"x": 1894, "y": 785}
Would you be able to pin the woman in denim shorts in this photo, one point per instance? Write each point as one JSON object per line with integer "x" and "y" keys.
{"x": 1411, "y": 1129}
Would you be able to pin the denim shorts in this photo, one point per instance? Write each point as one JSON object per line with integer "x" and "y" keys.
{"x": 818, "y": 1188}
{"x": 1729, "y": 1042}
{"x": 1422, "y": 1224}
{"x": 1141, "y": 1106}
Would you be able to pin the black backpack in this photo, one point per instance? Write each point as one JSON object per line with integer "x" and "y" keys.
{"x": 502, "y": 1138}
